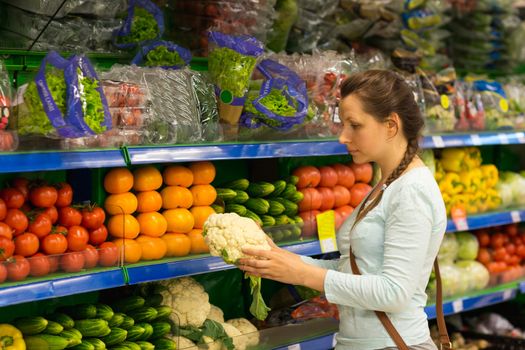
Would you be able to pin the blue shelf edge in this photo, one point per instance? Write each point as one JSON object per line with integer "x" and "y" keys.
{"x": 61, "y": 287}
{"x": 322, "y": 342}
{"x": 488, "y": 220}
{"x": 474, "y": 139}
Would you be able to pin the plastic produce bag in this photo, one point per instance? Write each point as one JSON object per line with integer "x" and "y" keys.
{"x": 163, "y": 54}
{"x": 8, "y": 139}
{"x": 209, "y": 114}
{"x": 65, "y": 100}
{"x": 95, "y": 8}
{"x": 287, "y": 13}
{"x": 495, "y": 104}
{"x": 145, "y": 21}
{"x": 477, "y": 275}
{"x": 439, "y": 91}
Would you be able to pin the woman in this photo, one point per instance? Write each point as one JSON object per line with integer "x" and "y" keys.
{"x": 394, "y": 234}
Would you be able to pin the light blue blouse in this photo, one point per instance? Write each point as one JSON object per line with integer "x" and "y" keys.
{"x": 395, "y": 245}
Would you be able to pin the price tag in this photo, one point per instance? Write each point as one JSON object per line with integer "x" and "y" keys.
{"x": 507, "y": 294}
{"x": 445, "y": 101}
{"x": 294, "y": 347}
{"x": 503, "y": 139}
{"x": 521, "y": 137}
{"x": 476, "y": 140}
{"x": 326, "y": 231}
{"x": 459, "y": 217}
{"x": 438, "y": 142}
{"x": 457, "y": 305}
{"x": 504, "y": 105}
{"x": 334, "y": 340}
{"x": 515, "y": 215}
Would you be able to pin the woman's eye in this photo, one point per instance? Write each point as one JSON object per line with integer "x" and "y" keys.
{"x": 355, "y": 126}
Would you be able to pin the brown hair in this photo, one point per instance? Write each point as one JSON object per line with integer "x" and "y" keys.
{"x": 382, "y": 93}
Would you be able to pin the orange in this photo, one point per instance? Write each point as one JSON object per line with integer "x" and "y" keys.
{"x": 179, "y": 220}
{"x": 130, "y": 249}
{"x": 118, "y": 180}
{"x": 152, "y": 224}
{"x": 203, "y": 194}
{"x": 203, "y": 173}
{"x": 178, "y": 244}
{"x": 176, "y": 197}
{"x": 153, "y": 248}
{"x": 123, "y": 226}
{"x": 177, "y": 175}
{"x": 200, "y": 214}
{"x": 149, "y": 201}
{"x": 198, "y": 245}
{"x": 122, "y": 203}
{"x": 147, "y": 178}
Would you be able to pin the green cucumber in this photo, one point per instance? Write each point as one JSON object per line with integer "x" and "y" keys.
{"x": 135, "y": 332}
{"x": 95, "y": 327}
{"x": 279, "y": 186}
{"x": 143, "y": 314}
{"x": 290, "y": 208}
{"x": 130, "y": 303}
{"x": 84, "y": 345}
{"x": 235, "y": 208}
{"x": 71, "y": 337}
{"x": 260, "y": 189}
{"x": 292, "y": 179}
{"x": 148, "y": 330}
{"x": 144, "y": 345}
{"x": 31, "y": 325}
{"x": 218, "y": 208}
{"x": 127, "y": 323}
{"x": 164, "y": 344}
{"x": 289, "y": 191}
{"x": 104, "y": 312}
{"x": 160, "y": 329}
{"x": 45, "y": 342}
{"x": 53, "y": 328}
{"x": 250, "y": 214}
{"x": 267, "y": 221}
{"x": 131, "y": 345}
{"x": 226, "y": 194}
{"x": 163, "y": 311}
{"x": 116, "y": 336}
{"x": 259, "y": 206}
{"x": 82, "y": 311}
{"x": 241, "y": 197}
{"x": 239, "y": 184}
{"x": 59, "y": 317}
{"x": 97, "y": 343}
{"x": 276, "y": 208}
{"x": 116, "y": 320}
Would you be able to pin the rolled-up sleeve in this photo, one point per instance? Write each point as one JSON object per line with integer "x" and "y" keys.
{"x": 325, "y": 264}
{"x": 408, "y": 227}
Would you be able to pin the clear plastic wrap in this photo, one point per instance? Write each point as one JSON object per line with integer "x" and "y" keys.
{"x": 163, "y": 54}
{"x": 438, "y": 92}
{"x": 145, "y": 21}
{"x": 515, "y": 91}
{"x": 95, "y": 8}
{"x": 495, "y": 104}
{"x": 209, "y": 114}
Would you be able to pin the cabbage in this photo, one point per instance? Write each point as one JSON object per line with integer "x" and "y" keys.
{"x": 448, "y": 251}
{"x": 427, "y": 156}
{"x": 478, "y": 275}
{"x": 505, "y": 192}
{"x": 513, "y": 183}
{"x": 468, "y": 246}
{"x": 451, "y": 280}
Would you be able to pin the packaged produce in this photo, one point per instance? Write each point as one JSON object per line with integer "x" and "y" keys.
{"x": 145, "y": 21}
{"x": 515, "y": 91}
{"x": 287, "y": 12}
{"x": 209, "y": 114}
{"x": 495, "y": 104}
{"x": 96, "y": 8}
{"x": 439, "y": 95}
{"x": 162, "y": 54}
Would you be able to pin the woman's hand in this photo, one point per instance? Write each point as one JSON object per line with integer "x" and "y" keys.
{"x": 283, "y": 266}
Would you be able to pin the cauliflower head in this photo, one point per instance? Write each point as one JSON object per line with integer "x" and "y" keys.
{"x": 189, "y": 301}
{"x": 238, "y": 340}
{"x": 227, "y": 234}
{"x": 184, "y": 343}
{"x": 216, "y": 314}
{"x": 249, "y": 331}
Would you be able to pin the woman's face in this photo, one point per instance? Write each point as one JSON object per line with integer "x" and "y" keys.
{"x": 364, "y": 137}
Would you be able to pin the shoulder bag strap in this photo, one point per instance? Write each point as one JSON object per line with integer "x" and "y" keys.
{"x": 394, "y": 334}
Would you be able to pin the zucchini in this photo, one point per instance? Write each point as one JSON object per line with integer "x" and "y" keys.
{"x": 84, "y": 345}
{"x": 226, "y": 194}
{"x": 164, "y": 344}
{"x": 131, "y": 345}
{"x": 116, "y": 336}
{"x": 241, "y": 197}
{"x": 260, "y": 189}
{"x": 45, "y": 342}
{"x": 130, "y": 303}
{"x": 160, "y": 329}
{"x": 250, "y": 214}
{"x": 163, "y": 311}
{"x": 276, "y": 208}
{"x": 53, "y": 328}
{"x": 82, "y": 311}
{"x": 144, "y": 345}
{"x": 31, "y": 325}
{"x": 143, "y": 314}
{"x": 59, "y": 317}
{"x": 135, "y": 332}
{"x": 218, "y": 208}
{"x": 235, "y": 208}
{"x": 239, "y": 184}
{"x": 258, "y": 205}
{"x": 148, "y": 331}
{"x": 267, "y": 221}
{"x": 97, "y": 343}
{"x": 95, "y": 327}
{"x": 116, "y": 320}
{"x": 104, "y": 312}
{"x": 71, "y": 337}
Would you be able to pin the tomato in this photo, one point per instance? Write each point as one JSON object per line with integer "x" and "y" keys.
{"x": 345, "y": 211}
{"x": 40, "y": 225}
{"x": 520, "y": 250}
{"x": 497, "y": 240}
{"x": 54, "y": 243}
{"x": 17, "y": 268}
{"x": 338, "y": 220}
{"x": 510, "y": 248}
{"x": 77, "y": 238}
{"x": 12, "y": 197}
{"x": 329, "y": 176}
{"x": 64, "y": 194}
{"x": 511, "y": 230}
{"x": 309, "y": 176}
{"x": 108, "y": 254}
{"x": 52, "y": 212}
{"x": 363, "y": 172}
{"x": 483, "y": 256}
{"x": 90, "y": 257}
{"x": 358, "y": 192}
{"x": 3, "y": 273}
{"x": 72, "y": 262}
{"x": 3, "y": 209}
{"x": 517, "y": 240}
{"x": 59, "y": 229}
{"x": 483, "y": 238}
{"x": 327, "y": 198}
{"x": 26, "y": 244}
{"x": 310, "y": 222}
{"x": 6, "y": 231}
{"x": 43, "y": 196}
{"x": 21, "y": 184}
{"x": 345, "y": 175}
{"x": 7, "y": 248}
{"x": 98, "y": 236}
{"x": 17, "y": 220}
{"x": 500, "y": 254}
{"x": 311, "y": 201}
{"x": 54, "y": 261}
{"x": 493, "y": 267}
{"x": 39, "y": 265}
{"x": 514, "y": 260}
{"x": 93, "y": 217}
{"x": 69, "y": 216}
{"x": 341, "y": 196}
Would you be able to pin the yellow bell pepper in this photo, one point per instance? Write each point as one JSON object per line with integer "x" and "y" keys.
{"x": 466, "y": 178}
{"x": 490, "y": 174}
{"x": 494, "y": 199}
{"x": 451, "y": 184}
{"x": 473, "y": 158}
{"x": 452, "y": 159}
{"x": 472, "y": 206}
{"x": 482, "y": 201}
{"x": 478, "y": 183}
{"x": 11, "y": 338}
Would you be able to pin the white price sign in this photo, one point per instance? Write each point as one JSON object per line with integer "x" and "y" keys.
{"x": 438, "y": 142}
{"x": 476, "y": 140}
{"x": 507, "y": 294}
{"x": 520, "y": 136}
{"x": 334, "y": 340}
{"x": 515, "y": 215}
{"x": 457, "y": 305}
{"x": 294, "y": 347}
{"x": 461, "y": 224}
{"x": 503, "y": 139}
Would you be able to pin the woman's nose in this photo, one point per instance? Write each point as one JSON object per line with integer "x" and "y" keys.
{"x": 344, "y": 138}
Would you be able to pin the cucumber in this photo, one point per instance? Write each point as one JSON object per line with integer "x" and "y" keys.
{"x": 31, "y": 325}
{"x": 135, "y": 332}
{"x": 279, "y": 186}
{"x": 164, "y": 344}
{"x": 120, "y": 347}
{"x": 260, "y": 189}
{"x": 97, "y": 343}
{"x": 76, "y": 332}
{"x": 250, "y": 214}
{"x": 241, "y": 197}
{"x": 116, "y": 336}
{"x": 296, "y": 197}
{"x": 104, "y": 312}
{"x": 163, "y": 311}
{"x": 116, "y": 320}
{"x": 276, "y": 208}
{"x": 84, "y": 345}
{"x": 226, "y": 194}
{"x": 95, "y": 327}
{"x": 282, "y": 220}
{"x": 290, "y": 208}
{"x": 71, "y": 337}
{"x": 131, "y": 345}
{"x": 45, "y": 342}
{"x": 235, "y": 208}
{"x": 66, "y": 321}
{"x": 267, "y": 221}
{"x": 127, "y": 323}
{"x": 160, "y": 329}
{"x": 239, "y": 184}
{"x": 143, "y": 314}
{"x": 130, "y": 303}
{"x": 292, "y": 179}
{"x": 53, "y": 328}
{"x": 144, "y": 345}
{"x": 218, "y": 208}
{"x": 82, "y": 311}
{"x": 289, "y": 191}
{"x": 259, "y": 206}
{"x": 148, "y": 330}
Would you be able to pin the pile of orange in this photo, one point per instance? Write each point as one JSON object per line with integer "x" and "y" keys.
{"x": 156, "y": 214}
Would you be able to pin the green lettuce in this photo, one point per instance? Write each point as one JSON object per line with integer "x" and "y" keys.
{"x": 161, "y": 56}
{"x": 143, "y": 27}
{"x": 92, "y": 106}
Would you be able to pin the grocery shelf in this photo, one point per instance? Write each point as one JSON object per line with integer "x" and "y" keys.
{"x": 323, "y": 342}
{"x": 484, "y": 220}
{"x": 75, "y": 284}
{"x": 474, "y": 139}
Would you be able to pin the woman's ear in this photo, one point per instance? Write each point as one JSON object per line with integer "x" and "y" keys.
{"x": 393, "y": 124}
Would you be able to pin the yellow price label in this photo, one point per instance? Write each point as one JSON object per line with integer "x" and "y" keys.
{"x": 504, "y": 105}
{"x": 326, "y": 231}
{"x": 445, "y": 101}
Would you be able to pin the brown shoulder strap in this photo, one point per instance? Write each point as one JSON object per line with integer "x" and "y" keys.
{"x": 444, "y": 340}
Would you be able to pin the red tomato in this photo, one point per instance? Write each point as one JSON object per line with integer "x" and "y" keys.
{"x": 345, "y": 211}
{"x": 54, "y": 261}
{"x": 500, "y": 254}
{"x": 52, "y": 212}
{"x": 510, "y": 248}
{"x": 54, "y": 243}
{"x": 6, "y": 231}
{"x": 514, "y": 260}
{"x": 26, "y": 208}
{"x": 3, "y": 209}
{"x": 309, "y": 176}
{"x": 358, "y": 192}
{"x": 517, "y": 240}
{"x": 26, "y": 244}
{"x": 17, "y": 268}
{"x": 43, "y": 196}
{"x": 93, "y": 217}
{"x": 310, "y": 222}
{"x": 483, "y": 256}
{"x": 312, "y": 199}
{"x": 108, "y": 254}
{"x": 72, "y": 261}
{"x": 497, "y": 240}
{"x": 327, "y": 198}
{"x": 39, "y": 265}
{"x": 64, "y": 194}
{"x": 90, "y": 257}
{"x": 69, "y": 216}
{"x": 77, "y": 238}
{"x": 7, "y": 248}
{"x": 483, "y": 238}
{"x": 3, "y": 273}
{"x": 511, "y": 230}
{"x": 363, "y": 172}
{"x": 40, "y": 225}
{"x": 520, "y": 250}
{"x": 345, "y": 175}
{"x": 98, "y": 236}
{"x": 493, "y": 267}
{"x": 338, "y": 220}
{"x": 328, "y": 176}
{"x": 342, "y": 196}
{"x": 59, "y": 229}
{"x": 12, "y": 197}
{"x": 17, "y": 220}
{"x": 21, "y": 184}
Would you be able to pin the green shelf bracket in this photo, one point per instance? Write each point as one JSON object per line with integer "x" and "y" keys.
{"x": 125, "y": 154}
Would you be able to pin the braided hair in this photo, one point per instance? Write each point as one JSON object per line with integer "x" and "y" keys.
{"x": 382, "y": 93}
